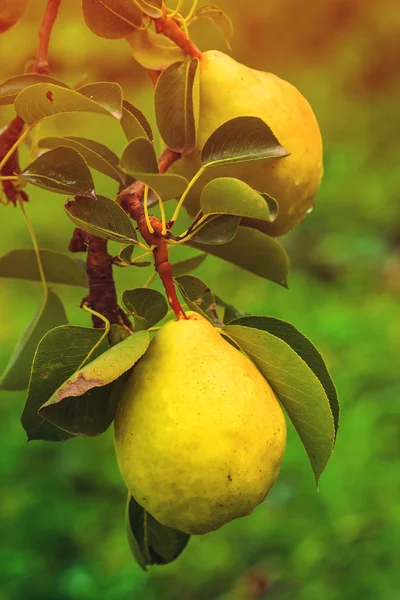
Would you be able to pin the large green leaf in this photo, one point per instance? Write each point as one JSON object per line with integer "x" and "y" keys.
{"x": 198, "y": 297}
{"x": 153, "y": 51}
{"x": 297, "y": 388}
{"x": 134, "y": 123}
{"x": 102, "y": 217}
{"x": 186, "y": 266}
{"x": 97, "y": 155}
{"x": 59, "y": 354}
{"x": 303, "y": 347}
{"x": 10, "y": 88}
{"x": 140, "y": 156}
{"x": 151, "y": 543}
{"x": 51, "y": 314}
{"x": 216, "y": 230}
{"x": 177, "y": 104}
{"x": 240, "y": 140}
{"x": 111, "y": 19}
{"x": 58, "y": 268}
{"x": 62, "y": 170}
{"x": 152, "y": 8}
{"x": 147, "y": 306}
{"x": 254, "y": 251}
{"x": 43, "y": 100}
{"x": 73, "y": 415}
{"x": 139, "y": 160}
{"x": 230, "y": 196}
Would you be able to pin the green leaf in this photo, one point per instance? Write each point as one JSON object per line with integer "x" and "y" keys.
{"x": 198, "y": 297}
{"x": 253, "y": 251}
{"x": 58, "y": 268}
{"x": 96, "y": 155}
{"x": 153, "y": 51}
{"x": 10, "y": 88}
{"x": 125, "y": 256}
{"x": 152, "y": 8}
{"x": 220, "y": 19}
{"x": 99, "y": 373}
{"x": 62, "y": 170}
{"x": 59, "y": 354}
{"x": 216, "y": 230}
{"x": 147, "y": 306}
{"x": 304, "y": 348}
{"x": 177, "y": 104}
{"x": 230, "y": 312}
{"x": 140, "y": 156}
{"x": 165, "y": 185}
{"x": 134, "y": 123}
{"x": 240, "y": 140}
{"x": 112, "y": 19}
{"x": 297, "y": 388}
{"x": 103, "y": 217}
{"x": 51, "y": 314}
{"x": 188, "y": 265}
{"x": 226, "y": 195}
{"x": 151, "y": 543}
{"x": 139, "y": 160}
{"x": 43, "y": 100}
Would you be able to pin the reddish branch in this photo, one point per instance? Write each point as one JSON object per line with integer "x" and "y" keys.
{"x": 7, "y": 140}
{"x": 42, "y": 55}
{"x": 169, "y": 27}
{"x": 102, "y": 296}
{"x": 131, "y": 201}
{"x": 11, "y": 134}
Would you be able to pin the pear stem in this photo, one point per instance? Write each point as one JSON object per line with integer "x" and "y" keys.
{"x": 156, "y": 236}
{"x": 169, "y": 26}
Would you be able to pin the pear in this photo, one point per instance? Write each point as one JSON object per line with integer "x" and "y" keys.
{"x": 199, "y": 433}
{"x": 10, "y": 12}
{"x": 229, "y": 89}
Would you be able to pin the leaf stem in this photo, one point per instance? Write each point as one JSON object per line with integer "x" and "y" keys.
{"x": 86, "y": 307}
{"x": 146, "y": 209}
{"x": 176, "y": 9}
{"x": 192, "y": 11}
{"x": 36, "y": 248}
{"x": 150, "y": 279}
{"x": 185, "y": 193}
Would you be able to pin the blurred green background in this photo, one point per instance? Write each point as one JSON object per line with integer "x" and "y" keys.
{"x": 62, "y": 505}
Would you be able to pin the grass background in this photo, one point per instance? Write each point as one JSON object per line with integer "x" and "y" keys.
{"x": 62, "y": 505}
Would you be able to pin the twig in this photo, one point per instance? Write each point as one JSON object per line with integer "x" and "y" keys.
{"x": 10, "y": 137}
{"x": 169, "y": 26}
{"x": 41, "y": 65}
{"x": 131, "y": 201}
{"x": 102, "y": 297}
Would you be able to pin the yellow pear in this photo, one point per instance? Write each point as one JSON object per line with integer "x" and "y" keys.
{"x": 199, "y": 434}
{"x": 229, "y": 89}
{"x": 10, "y": 12}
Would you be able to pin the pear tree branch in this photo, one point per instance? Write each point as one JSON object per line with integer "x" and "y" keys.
{"x": 41, "y": 65}
{"x": 10, "y": 136}
{"x": 102, "y": 296}
{"x": 169, "y": 26}
{"x": 131, "y": 201}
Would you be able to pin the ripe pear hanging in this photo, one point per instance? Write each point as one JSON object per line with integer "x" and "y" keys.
{"x": 229, "y": 89}
{"x": 199, "y": 434}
